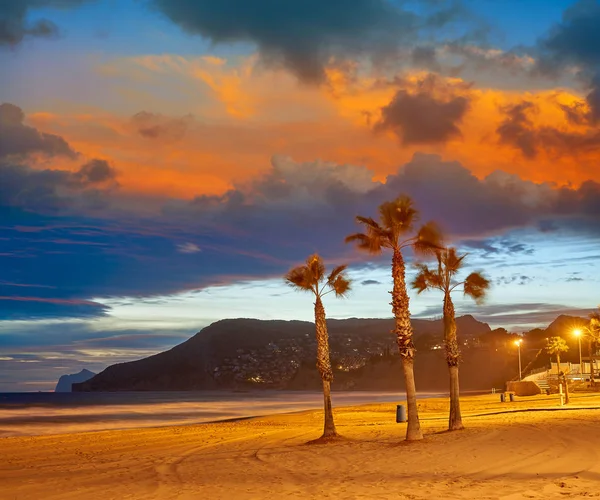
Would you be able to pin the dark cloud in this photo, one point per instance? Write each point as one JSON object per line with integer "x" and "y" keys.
{"x": 14, "y": 25}
{"x": 515, "y": 278}
{"x": 423, "y": 56}
{"x": 19, "y": 139}
{"x": 370, "y": 282}
{"x": 55, "y": 190}
{"x": 497, "y": 246}
{"x": 430, "y": 114}
{"x": 575, "y": 43}
{"x": 95, "y": 172}
{"x": 519, "y": 131}
{"x": 304, "y": 36}
{"x": 34, "y": 308}
{"x": 156, "y": 127}
{"x": 257, "y": 229}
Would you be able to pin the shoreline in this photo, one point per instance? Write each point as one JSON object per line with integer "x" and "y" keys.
{"x": 69, "y": 413}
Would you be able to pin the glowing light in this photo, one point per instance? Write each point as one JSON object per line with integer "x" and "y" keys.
{"x": 577, "y": 332}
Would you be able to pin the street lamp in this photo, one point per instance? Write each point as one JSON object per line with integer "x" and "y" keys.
{"x": 577, "y": 333}
{"x": 518, "y": 344}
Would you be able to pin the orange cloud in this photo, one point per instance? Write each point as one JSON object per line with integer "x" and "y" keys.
{"x": 244, "y": 114}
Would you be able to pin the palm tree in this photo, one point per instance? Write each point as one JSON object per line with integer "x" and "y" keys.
{"x": 311, "y": 278}
{"x": 556, "y": 345}
{"x": 593, "y": 334}
{"x": 396, "y": 231}
{"x": 443, "y": 278}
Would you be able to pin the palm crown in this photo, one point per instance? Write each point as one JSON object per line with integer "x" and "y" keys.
{"x": 443, "y": 278}
{"x": 311, "y": 278}
{"x": 556, "y": 345}
{"x": 397, "y": 221}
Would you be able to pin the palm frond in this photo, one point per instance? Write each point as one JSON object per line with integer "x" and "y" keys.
{"x": 335, "y": 273}
{"x": 420, "y": 283}
{"x": 300, "y": 278}
{"x": 370, "y": 223}
{"x": 428, "y": 241}
{"x": 341, "y": 285}
{"x": 452, "y": 261}
{"x": 427, "y": 279}
{"x": 476, "y": 286}
{"x": 371, "y": 244}
{"x": 399, "y": 215}
{"x": 316, "y": 267}
{"x": 556, "y": 345}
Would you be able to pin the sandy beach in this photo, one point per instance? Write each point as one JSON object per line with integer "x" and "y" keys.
{"x": 542, "y": 454}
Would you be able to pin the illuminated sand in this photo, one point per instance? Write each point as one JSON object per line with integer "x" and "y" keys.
{"x": 539, "y": 455}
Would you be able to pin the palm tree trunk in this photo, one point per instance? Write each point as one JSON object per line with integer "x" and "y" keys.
{"x": 329, "y": 425}
{"x": 324, "y": 366}
{"x": 558, "y": 366}
{"x": 591, "y": 346}
{"x": 453, "y": 360}
{"x": 406, "y": 348}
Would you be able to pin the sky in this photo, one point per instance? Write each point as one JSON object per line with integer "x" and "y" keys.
{"x": 163, "y": 163}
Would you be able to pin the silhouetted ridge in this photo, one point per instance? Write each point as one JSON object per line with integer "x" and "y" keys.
{"x": 251, "y": 353}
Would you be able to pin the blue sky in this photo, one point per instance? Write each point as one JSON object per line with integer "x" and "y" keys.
{"x": 163, "y": 164}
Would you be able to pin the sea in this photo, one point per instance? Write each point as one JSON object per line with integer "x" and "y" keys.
{"x": 45, "y": 413}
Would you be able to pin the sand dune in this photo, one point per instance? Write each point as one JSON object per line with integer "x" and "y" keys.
{"x": 535, "y": 455}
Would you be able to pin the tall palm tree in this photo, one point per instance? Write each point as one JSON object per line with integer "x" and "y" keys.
{"x": 444, "y": 279}
{"x": 396, "y": 232}
{"x": 311, "y": 278}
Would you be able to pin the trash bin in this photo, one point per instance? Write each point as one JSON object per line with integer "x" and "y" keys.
{"x": 400, "y": 414}
{"x": 502, "y": 398}
{"x": 512, "y": 397}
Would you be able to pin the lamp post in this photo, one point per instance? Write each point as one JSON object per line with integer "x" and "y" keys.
{"x": 518, "y": 344}
{"x": 577, "y": 333}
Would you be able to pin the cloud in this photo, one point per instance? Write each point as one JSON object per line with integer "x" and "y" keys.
{"x": 518, "y": 316}
{"x": 370, "y": 282}
{"x": 497, "y": 246}
{"x": 156, "y": 127}
{"x": 305, "y": 36}
{"x": 35, "y": 308}
{"x": 19, "y": 139}
{"x": 515, "y": 278}
{"x": 56, "y": 190}
{"x": 519, "y": 131}
{"x": 429, "y": 115}
{"x": 14, "y": 26}
{"x": 188, "y": 248}
{"x": 256, "y": 229}
{"x": 574, "y": 43}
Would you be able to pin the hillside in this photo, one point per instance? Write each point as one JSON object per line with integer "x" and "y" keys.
{"x": 248, "y": 353}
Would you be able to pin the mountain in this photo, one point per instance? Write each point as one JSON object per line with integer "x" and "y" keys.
{"x": 64, "y": 382}
{"x": 249, "y": 353}
{"x": 563, "y": 326}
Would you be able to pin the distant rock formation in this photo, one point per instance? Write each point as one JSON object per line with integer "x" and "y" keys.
{"x": 65, "y": 382}
{"x": 258, "y": 354}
